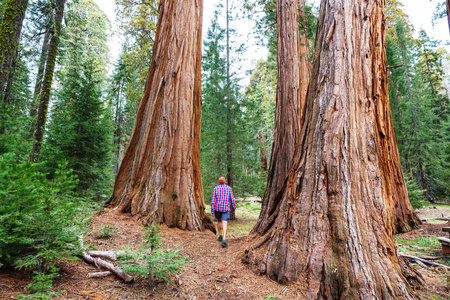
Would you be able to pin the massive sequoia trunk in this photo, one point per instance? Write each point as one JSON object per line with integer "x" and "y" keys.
{"x": 159, "y": 178}
{"x": 332, "y": 230}
{"x": 293, "y": 77}
{"x": 10, "y": 29}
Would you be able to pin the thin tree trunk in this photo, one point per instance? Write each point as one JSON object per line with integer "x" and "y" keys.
{"x": 10, "y": 29}
{"x": 429, "y": 74}
{"x": 229, "y": 141}
{"x": 40, "y": 73}
{"x": 118, "y": 133}
{"x": 47, "y": 81}
{"x": 159, "y": 179}
{"x": 332, "y": 230}
{"x": 294, "y": 71}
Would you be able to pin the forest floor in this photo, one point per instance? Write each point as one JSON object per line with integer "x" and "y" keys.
{"x": 213, "y": 272}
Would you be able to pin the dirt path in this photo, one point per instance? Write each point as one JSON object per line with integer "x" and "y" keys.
{"x": 213, "y": 272}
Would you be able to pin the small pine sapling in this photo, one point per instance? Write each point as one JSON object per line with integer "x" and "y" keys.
{"x": 151, "y": 260}
{"x": 105, "y": 231}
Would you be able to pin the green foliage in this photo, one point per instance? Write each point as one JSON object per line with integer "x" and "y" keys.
{"x": 124, "y": 108}
{"x": 263, "y": 12}
{"x": 150, "y": 260}
{"x": 38, "y": 216}
{"x": 440, "y": 11}
{"x": 105, "y": 231}
{"x": 419, "y": 107}
{"x": 42, "y": 286}
{"x": 80, "y": 130}
{"x": 229, "y": 147}
{"x": 415, "y": 194}
{"x": 426, "y": 242}
{"x": 259, "y": 107}
{"x": 137, "y": 20}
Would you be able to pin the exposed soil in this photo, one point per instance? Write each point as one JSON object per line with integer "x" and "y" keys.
{"x": 213, "y": 272}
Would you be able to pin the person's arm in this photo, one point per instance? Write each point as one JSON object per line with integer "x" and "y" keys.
{"x": 232, "y": 200}
{"x": 213, "y": 201}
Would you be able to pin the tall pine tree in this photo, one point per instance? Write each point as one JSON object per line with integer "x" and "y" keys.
{"x": 80, "y": 127}
{"x": 229, "y": 145}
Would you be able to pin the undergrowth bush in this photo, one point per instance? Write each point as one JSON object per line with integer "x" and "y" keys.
{"x": 415, "y": 194}
{"x": 105, "y": 231}
{"x": 40, "y": 219}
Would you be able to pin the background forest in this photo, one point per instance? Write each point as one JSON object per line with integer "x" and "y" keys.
{"x": 67, "y": 111}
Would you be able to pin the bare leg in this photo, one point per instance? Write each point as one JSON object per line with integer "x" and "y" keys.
{"x": 220, "y": 226}
{"x": 224, "y": 225}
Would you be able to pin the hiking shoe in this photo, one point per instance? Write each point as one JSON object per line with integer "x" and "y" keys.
{"x": 220, "y": 238}
{"x": 224, "y": 244}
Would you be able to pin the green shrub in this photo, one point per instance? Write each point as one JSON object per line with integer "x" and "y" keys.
{"x": 158, "y": 263}
{"x": 415, "y": 194}
{"x": 42, "y": 285}
{"x": 40, "y": 219}
{"x": 105, "y": 231}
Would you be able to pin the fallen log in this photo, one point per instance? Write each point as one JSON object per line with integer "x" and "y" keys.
{"x": 430, "y": 263}
{"x": 111, "y": 255}
{"x": 99, "y": 274}
{"x": 107, "y": 265}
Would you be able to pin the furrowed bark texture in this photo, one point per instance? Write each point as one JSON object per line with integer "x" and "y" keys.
{"x": 46, "y": 85}
{"x": 10, "y": 29}
{"x": 333, "y": 229}
{"x": 294, "y": 71}
{"x": 159, "y": 178}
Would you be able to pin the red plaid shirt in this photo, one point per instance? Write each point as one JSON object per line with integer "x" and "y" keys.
{"x": 220, "y": 199}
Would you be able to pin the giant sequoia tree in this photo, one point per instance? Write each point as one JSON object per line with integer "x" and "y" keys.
{"x": 292, "y": 83}
{"x": 159, "y": 178}
{"x": 332, "y": 230}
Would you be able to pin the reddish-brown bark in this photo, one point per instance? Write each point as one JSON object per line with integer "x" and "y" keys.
{"x": 293, "y": 77}
{"x": 263, "y": 152}
{"x": 332, "y": 230}
{"x": 159, "y": 178}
